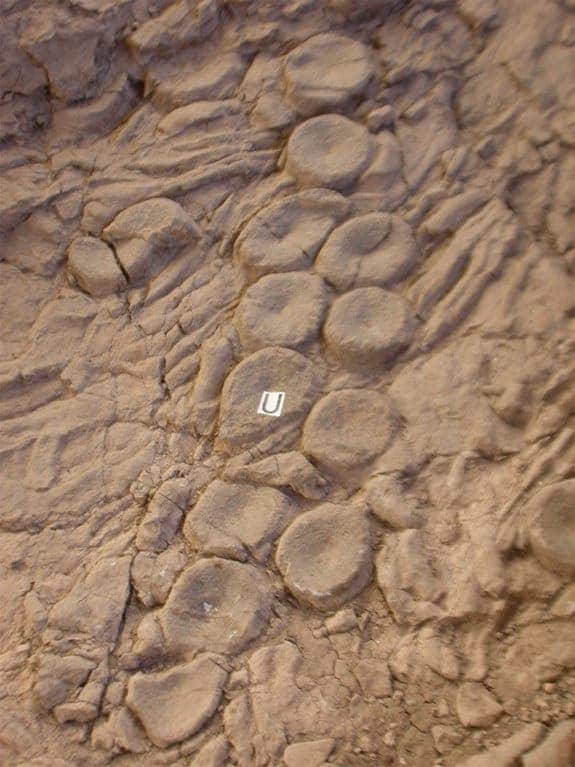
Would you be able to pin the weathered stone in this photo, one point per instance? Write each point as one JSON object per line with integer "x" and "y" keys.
{"x": 58, "y": 677}
{"x": 329, "y": 151}
{"x": 557, "y": 750}
{"x": 213, "y": 754}
{"x": 349, "y": 428}
{"x": 286, "y": 235}
{"x": 476, "y": 706}
{"x": 94, "y": 266}
{"x": 374, "y": 678}
{"x": 369, "y": 326}
{"x": 272, "y": 369}
{"x": 174, "y": 704}
{"x": 282, "y": 310}
{"x": 507, "y": 752}
{"x": 153, "y": 574}
{"x": 95, "y": 605}
{"x": 308, "y": 754}
{"x": 290, "y": 470}
{"x": 147, "y": 235}
{"x": 540, "y": 653}
{"x": 214, "y": 605}
{"x": 552, "y": 526}
{"x": 164, "y": 515}
{"x": 120, "y": 732}
{"x": 373, "y": 249}
{"x": 327, "y": 72}
{"x": 217, "y": 79}
{"x": 325, "y": 556}
{"x": 238, "y": 521}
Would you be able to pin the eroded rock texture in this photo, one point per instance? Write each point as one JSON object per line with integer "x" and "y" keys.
{"x": 287, "y": 419}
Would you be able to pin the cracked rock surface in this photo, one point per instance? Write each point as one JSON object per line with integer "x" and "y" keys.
{"x": 287, "y": 412}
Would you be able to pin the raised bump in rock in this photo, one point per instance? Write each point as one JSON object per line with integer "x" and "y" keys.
{"x": 325, "y": 556}
{"x": 328, "y": 151}
{"x": 286, "y": 235}
{"x": 552, "y": 526}
{"x": 327, "y": 72}
{"x": 215, "y": 605}
{"x": 369, "y": 326}
{"x": 94, "y": 266}
{"x": 174, "y": 704}
{"x": 349, "y": 428}
{"x": 271, "y": 369}
{"x": 282, "y": 310}
{"x": 237, "y": 521}
{"x": 147, "y": 234}
{"x": 374, "y": 249}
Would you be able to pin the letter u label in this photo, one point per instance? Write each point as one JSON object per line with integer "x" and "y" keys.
{"x": 271, "y": 403}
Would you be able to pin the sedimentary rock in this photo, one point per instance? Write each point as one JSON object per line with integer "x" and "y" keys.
{"x": 369, "y": 326}
{"x": 282, "y": 310}
{"x": 174, "y": 704}
{"x": 215, "y": 605}
{"x": 327, "y": 72}
{"x": 374, "y": 249}
{"x": 237, "y": 521}
{"x": 349, "y": 428}
{"x": 328, "y": 151}
{"x": 286, "y": 235}
{"x": 272, "y": 369}
{"x": 325, "y": 555}
{"x": 552, "y": 526}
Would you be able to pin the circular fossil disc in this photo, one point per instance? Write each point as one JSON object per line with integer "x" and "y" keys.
{"x": 328, "y": 151}
{"x": 325, "y": 556}
{"x": 282, "y": 310}
{"x": 369, "y": 326}
{"x": 326, "y": 73}
{"x": 348, "y": 428}
{"x": 552, "y": 526}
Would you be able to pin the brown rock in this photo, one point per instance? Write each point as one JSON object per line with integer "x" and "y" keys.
{"x": 325, "y": 555}
{"x": 286, "y": 235}
{"x": 369, "y": 326}
{"x": 282, "y": 310}
{"x": 326, "y": 72}
{"x": 308, "y": 754}
{"x": 373, "y": 249}
{"x": 552, "y": 527}
{"x": 329, "y": 151}
{"x": 174, "y": 704}
{"x": 347, "y": 429}
{"x": 272, "y": 369}
{"x": 476, "y": 706}
{"x": 238, "y": 521}
{"x": 94, "y": 266}
{"x": 557, "y": 750}
{"x": 216, "y": 605}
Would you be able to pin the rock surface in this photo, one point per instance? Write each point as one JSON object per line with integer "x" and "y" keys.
{"x": 552, "y": 527}
{"x": 272, "y": 369}
{"x": 327, "y": 72}
{"x": 373, "y": 249}
{"x": 349, "y": 428}
{"x": 369, "y": 326}
{"x": 174, "y": 704}
{"x": 286, "y": 235}
{"x": 237, "y": 521}
{"x": 282, "y": 310}
{"x": 215, "y": 605}
{"x": 286, "y": 375}
{"x": 328, "y": 151}
{"x": 325, "y": 556}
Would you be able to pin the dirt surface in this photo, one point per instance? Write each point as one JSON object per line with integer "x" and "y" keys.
{"x": 287, "y": 383}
